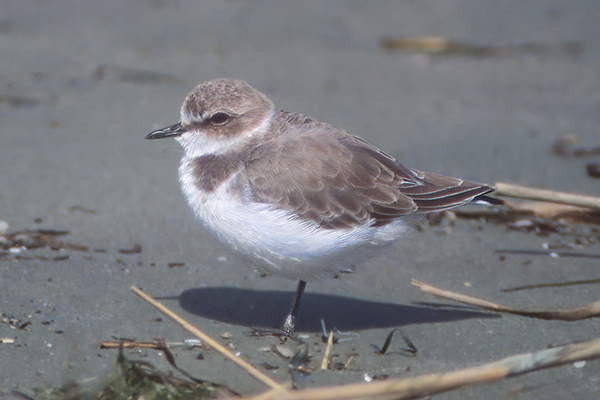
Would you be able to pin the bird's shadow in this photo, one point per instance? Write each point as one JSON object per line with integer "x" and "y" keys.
{"x": 269, "y": 308}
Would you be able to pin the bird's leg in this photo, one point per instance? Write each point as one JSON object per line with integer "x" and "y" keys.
{"x": 290, "y": 322}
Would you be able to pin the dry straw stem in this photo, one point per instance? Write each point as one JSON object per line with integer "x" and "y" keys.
{"x": 327, "y": 356}
{"x": 522, "y": 192}
{"x": 157, "y": 345}
{"x": 591, "y": 310}
{"x": 425, "y": 44}
{"x": 126, "y": 344}
{"x": 544, "y": 209}
{"x": 427, "y": 385}
{"x": 210, "y": 341}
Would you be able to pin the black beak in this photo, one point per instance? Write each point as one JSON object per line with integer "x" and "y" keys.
{"x": 169, "y": 131}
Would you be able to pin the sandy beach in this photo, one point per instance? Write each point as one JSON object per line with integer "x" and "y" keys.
{"x": 83, "y": 82}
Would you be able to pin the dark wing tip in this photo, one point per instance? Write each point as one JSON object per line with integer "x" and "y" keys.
{"x": 489, "y": 200}
{"x": 437, "y": 192}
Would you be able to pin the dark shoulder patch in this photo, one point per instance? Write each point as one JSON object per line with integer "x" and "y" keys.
{"x": 211, "y": 170}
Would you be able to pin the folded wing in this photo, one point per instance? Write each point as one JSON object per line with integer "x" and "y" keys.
{"x": 335, "y": 180}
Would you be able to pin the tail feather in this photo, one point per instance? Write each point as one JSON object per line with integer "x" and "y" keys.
{"x": 430, "y": 198}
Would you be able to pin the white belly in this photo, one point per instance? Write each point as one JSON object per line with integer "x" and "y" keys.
{"x": 276, "y": 242}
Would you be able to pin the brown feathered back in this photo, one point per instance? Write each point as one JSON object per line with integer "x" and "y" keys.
{"x": 338, "y": 180}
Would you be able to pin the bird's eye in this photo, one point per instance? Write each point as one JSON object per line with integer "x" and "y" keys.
{"x": 219, "y": 118}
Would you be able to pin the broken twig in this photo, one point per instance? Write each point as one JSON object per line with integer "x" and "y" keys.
{"x": 591, "y": 310}
{"x": 527, "y": 193}
{"x": 327, "y": 357}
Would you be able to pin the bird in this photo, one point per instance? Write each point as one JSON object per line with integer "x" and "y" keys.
{"x": 295, "y": 196}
